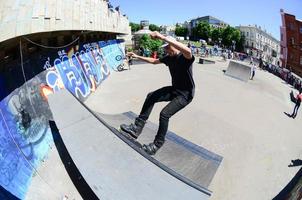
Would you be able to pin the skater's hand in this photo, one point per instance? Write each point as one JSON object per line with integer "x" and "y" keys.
{"x": 131, "y": 54}
{"x": 156, "y": 35}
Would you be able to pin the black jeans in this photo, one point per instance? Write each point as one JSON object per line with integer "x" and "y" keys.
{"x": 295, "y": 111}
{"x": 177, "y": 102}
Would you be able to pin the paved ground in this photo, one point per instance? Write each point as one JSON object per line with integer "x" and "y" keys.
{"x": 243, "y": 122}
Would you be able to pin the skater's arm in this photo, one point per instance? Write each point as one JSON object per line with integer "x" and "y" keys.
{"x": 186, "y": 51}
{"x": 146, "y": 59}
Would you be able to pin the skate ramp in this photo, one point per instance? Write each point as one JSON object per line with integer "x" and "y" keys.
{"x": 293, "y": 189}
{"x": 238, "y": 70}
{"x": 206, "y": 61}
{"x": 187, "y": 159}
{"x": 115, "y": 169}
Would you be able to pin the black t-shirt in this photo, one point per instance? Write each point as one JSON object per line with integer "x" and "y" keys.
{"x": 181, "y": 72}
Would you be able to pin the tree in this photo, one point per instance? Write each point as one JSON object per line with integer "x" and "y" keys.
{"x": 227, "y": 36}
{"x": 181, "y": 31}
{"x": 216, "y": 33}
{"x": 154, "y": 27}
{"x": 134, "y": 27}
{"x": 202, "y": 31}
{"x": 240, "y": 44}
{"x": 147, "y": 43}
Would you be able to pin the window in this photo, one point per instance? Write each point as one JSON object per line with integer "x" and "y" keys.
{"x": 281, "y": 36}
{"x": 247, "y": 34}
{"x": 301, "y": 29}
{"x": 292, "y": 40}
{"x": 300, "y": 60}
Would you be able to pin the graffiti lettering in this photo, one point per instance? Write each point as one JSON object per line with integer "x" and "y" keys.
{"x": 83, "y": 71}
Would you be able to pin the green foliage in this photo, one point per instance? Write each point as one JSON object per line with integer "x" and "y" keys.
{"x": 147, "y": 43}
{"x": 181, "y": 31}
{"x": 154, "y": 27}
{"x": 216, "y": 33}
{"x": 134, "y": 27}
{"x": 227, "y": 35}
{"x": 202, "y": 31}
{"x": 240, "y": 44}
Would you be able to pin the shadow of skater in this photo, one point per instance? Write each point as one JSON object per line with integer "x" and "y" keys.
{"x": 295, "y": 163}
{"x": 287, "y": 114}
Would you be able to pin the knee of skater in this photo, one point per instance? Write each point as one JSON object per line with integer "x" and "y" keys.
{"x": 163, "y": 115}
{"x": 149, "y": 94}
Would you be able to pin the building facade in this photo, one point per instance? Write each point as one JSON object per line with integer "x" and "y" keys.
{"x": 259, "y": 43}
{"x": 208, "y": 19}
{"x": 168, "y": 30}
{"x": 291, "y": 42}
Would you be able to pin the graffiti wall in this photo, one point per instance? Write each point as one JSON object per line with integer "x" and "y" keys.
{"x": 25, "y": 136}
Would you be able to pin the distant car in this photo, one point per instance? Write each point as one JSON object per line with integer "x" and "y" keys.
{"x": 203, "y": 41}
{"x": 242, "y": 56}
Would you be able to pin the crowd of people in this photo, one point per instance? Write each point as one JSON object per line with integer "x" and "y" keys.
{"x": 285, "y": 74}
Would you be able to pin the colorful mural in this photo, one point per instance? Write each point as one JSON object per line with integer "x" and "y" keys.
{"x": 25, "y": 136}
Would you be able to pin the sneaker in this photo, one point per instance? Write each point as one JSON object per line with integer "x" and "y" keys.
{"x": 150, "y": 149}
{"x": 134, "y": 130}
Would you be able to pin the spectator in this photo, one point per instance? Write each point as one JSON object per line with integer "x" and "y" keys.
{"x": 252, "y": 61}
{"x": 296, "y": 108}
{"x": 253, "y": 71}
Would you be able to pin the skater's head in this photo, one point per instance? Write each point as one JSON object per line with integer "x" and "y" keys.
{"x": 169, "y": 49}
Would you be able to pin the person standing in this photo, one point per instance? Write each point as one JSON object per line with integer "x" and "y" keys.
{"x": 253, "y": 71}
{"x": 252, "y": 61}
{"x": 297, "y": 105}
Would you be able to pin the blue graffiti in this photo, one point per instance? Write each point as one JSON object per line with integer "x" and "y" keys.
{"x": 86, "y": 69}
{"x": 21, "y": 150}
{"x": 25, "y": 135}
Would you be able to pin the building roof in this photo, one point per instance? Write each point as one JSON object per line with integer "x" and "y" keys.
{"x": 208, "y": 17}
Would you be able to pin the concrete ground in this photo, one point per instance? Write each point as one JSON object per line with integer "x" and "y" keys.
{"x": 241, "y": 121}
{"x": 51, "y": 181}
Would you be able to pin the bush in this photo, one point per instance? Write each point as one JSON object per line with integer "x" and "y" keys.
{"x": 147, "y": 43}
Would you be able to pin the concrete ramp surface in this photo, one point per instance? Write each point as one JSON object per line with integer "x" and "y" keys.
{"x": 114, "y": 170}
{"x": 181, "y": 156}
{"x": 238, "y": 70}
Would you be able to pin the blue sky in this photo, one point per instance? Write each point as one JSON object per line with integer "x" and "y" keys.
{"x": 265, "y": 13}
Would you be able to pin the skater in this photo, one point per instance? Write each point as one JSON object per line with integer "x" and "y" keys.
{"x": 179, "y": 59}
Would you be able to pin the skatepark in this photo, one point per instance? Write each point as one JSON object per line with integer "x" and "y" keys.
{"x": 241, "y": 121}
{"x": 62, "y": 100}
{"x": 244, "y": 141}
